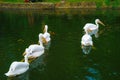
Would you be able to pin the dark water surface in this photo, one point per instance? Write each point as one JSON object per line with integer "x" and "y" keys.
{"x": 64, "y": 60}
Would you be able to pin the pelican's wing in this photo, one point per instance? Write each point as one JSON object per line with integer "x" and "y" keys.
{"x": 18, "y": 65}
{"x": 89, "y": 26}
{"x": 13, "y": 66}
{"x": 37, "y": 48}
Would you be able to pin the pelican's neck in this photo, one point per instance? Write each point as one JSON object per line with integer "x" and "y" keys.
{"x": 41, "y": 44}
{"x": 46, "y": 30}
{"x": 86, "y": 33}
{"x": 97, "y": 24}
{"x": 26, "y": 59}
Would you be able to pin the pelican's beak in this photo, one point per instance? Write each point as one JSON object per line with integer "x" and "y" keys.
{"x": 101, "y": 23}
{"x": 24, "y": 53}
{"x": 44, "y": 30}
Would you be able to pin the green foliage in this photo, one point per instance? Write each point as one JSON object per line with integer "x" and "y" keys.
{"x": 52, "y": 0}
{"x": 99, "y": 3}
{"x": 12, "y": 1}
{"x": 84, "y": 0}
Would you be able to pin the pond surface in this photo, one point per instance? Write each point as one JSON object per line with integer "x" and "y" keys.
{"x": 64, "y": 60}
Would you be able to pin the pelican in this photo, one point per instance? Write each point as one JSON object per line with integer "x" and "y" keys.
{"x": 86, "y": 43}
{"x": 86, "y": 40}
{"x": 17, "y": 68}
{"x": 92, "y": 28}
{"x": 35, "y": 50}
{"x": 46, "y": 35}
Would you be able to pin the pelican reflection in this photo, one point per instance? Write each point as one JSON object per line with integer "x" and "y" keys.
{"x": 86, "y": 49}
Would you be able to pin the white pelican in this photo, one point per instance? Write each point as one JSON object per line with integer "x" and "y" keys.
{"x": 86, "y": 43}
{"x": 86, "y": 40}
{"x": 35, "y": 50}
{"x": 17, "y": 68}
{"x": 46, "y": 35}
{"x": 92, "y": 28}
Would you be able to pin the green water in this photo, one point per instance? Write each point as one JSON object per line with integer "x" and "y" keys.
{"x": 64, "y": 60}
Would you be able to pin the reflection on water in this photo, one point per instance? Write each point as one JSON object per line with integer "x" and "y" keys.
{"x": 37, "y": 62}
{"x": 47, "y": 45}
{"x": 65, "y": 60}
{"x": 93, "y": 74}
{"x": 86, "y": 49}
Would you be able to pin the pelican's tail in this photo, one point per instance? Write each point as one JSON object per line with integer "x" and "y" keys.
{"x": 8, "y": 74}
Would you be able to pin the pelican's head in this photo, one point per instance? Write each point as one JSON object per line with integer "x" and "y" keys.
{"x": 98, "y": 21}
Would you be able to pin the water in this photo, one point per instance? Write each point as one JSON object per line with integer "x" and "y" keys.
{"x": 64, "y": 60}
